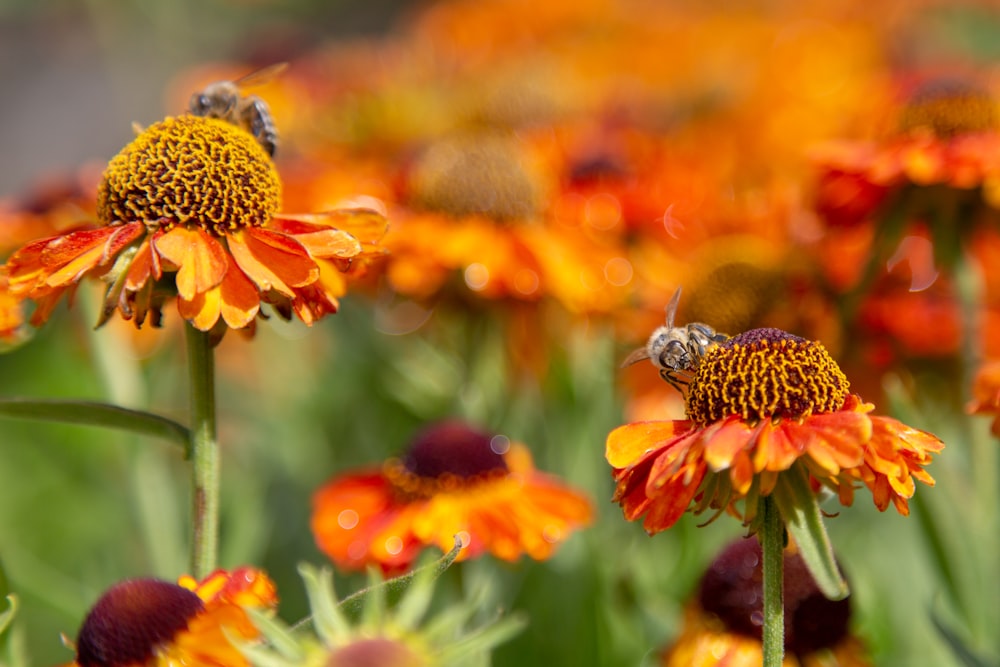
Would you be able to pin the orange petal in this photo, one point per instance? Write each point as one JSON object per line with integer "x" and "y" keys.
{"x": 364, "y": 224}
{"x": 670, "y": 461}
{"x": 774, "y": 449}
{"x": 273, "y": 260}
{"x": 329, "y": 243}
{"x": 72, "y": 271}
{"x": 76, "y": 253}
{"x": 203, "y": 310}
{"x": 627, "y": 444}
{"x": 200, "y": 259}
{"x": 61, "y": 250}
{"x": 669, "y": 506}
{"x": 839, "y": 438}
{"x": 741, "y": 472}
{"x": 724, "y": 440}
{"x": 240, "y": 298}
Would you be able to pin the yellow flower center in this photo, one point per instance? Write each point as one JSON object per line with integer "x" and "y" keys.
{"x": 475, "y": 175}
{"x": 949, "y": 109}
{"x": 765, "y": 374}
{"x": 190, "y": 170}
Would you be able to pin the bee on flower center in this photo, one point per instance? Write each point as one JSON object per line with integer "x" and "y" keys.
{"x": 225, "y": 100}
{"x": 677, "y": 350}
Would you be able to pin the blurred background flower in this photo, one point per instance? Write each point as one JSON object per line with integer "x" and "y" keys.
{"x": 453, "y": 480}
{"x": 722, "y": 624}
{"x": 551, "y": 172}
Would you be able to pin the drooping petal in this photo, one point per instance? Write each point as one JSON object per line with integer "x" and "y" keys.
{"x": 240, "y": 299}
{"x": 203, "y": 310}
{"x": 724, "y": 440}
{"x": 627, "y": 444}
{"x": 774, "y": 449}
{"x": 673, "y": 501}
{"x": 200, "y": 259}
{"x": 272, "y": 260}
{"x": 840, "y": 438}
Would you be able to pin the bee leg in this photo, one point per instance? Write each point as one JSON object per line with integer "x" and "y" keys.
{"x": 674, "y": 381}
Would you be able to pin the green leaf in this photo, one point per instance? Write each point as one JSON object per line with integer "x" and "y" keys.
{"x": 958, "y": 647}
{"x": 800, "y": 511}
{"x": 7, "y": 616}
{"x": 92, "y": 413}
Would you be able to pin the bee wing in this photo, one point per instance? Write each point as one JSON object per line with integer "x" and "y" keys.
{"x": 636, "y": 356}
{"x": 261, "y": 76}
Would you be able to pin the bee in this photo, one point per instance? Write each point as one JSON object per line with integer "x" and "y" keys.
{"x": 225, "y": 100}
{"x": 677, "y": 351}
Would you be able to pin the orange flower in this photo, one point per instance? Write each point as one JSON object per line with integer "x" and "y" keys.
{"x": 986, "y": 394}
{"x": 454, "y": 480}
{"x": 11, "y": 315}
{"x": 190, "y": 208}
{"x": 475, "y": 211}
{"x": 155, "y": 623}
{"x": 940, "y": 166}
{"x": 722, "y": 626}
{"x": 758, "y": 405}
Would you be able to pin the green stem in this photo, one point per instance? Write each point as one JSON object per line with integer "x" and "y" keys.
{"x": 92, "y": 413}
{"x": 772, "y": 543}
{"x": 204, "y": 454}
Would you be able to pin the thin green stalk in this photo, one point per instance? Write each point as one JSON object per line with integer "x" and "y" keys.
{"x": 204, "y": 454}
{"x": 772, "y": 543}
{"x": 93, "y": 413}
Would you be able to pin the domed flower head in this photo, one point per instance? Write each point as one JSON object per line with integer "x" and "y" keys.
{"x": 762, "y": 405}
{"x": 454, "y": 480}
{"x": 474, "y": 210}
{"x": 155, "y": 623}
{"x": 723, "y": 623}
{"x": 939, "y": 167}
{"x": 191, "y": 208}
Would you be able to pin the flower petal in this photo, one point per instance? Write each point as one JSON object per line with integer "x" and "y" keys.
{"x": 364, "y": 224}
{"x": 203, "y": 310}
{"x": 200, "y": 259}
{"x": 724, "y": 440}
{"x": 627, "y": 444}
{"x": 838, "y": 439}
{"x": 670, "y": 505}
{"x": 273, "y": 260}
{"x": 240, "y": 298}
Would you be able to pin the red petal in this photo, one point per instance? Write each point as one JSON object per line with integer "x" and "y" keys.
{"x": 65, "y": 249}
{"x": 670, "y": 505}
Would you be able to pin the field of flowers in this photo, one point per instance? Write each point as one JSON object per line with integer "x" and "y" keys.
{"x": 526, "y": 333}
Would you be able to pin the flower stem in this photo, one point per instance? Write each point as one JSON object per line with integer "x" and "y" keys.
{"x": 204, "y": 454}
{"x": 772, "y": 544}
